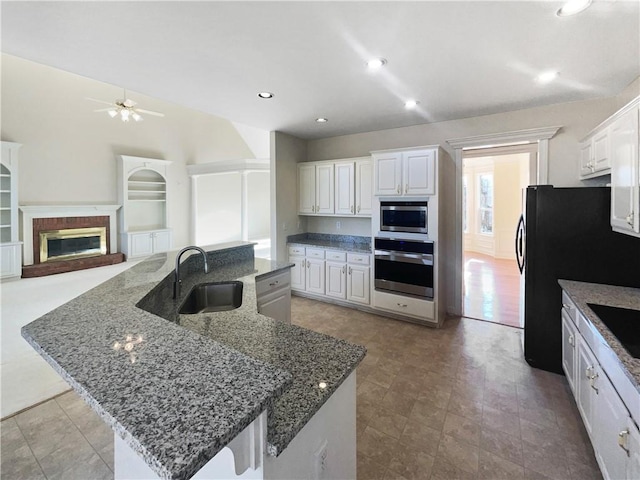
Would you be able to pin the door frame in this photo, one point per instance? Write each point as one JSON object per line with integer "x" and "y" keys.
{"x": 509, "y": 142}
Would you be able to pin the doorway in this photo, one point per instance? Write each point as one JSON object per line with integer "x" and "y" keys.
{"x": 493, "y": 181}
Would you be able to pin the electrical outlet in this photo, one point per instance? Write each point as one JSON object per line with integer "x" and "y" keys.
{"x": 284, "y": 227}
{"x": 338, "y": 225}
{"x": 321, "y": 462}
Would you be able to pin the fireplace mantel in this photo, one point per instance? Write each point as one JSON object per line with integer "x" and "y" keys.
{"x": 29, "y": 212}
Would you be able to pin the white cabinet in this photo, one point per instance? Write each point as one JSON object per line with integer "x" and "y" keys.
{"x": 10, "y": 246}
{"x": 364, "y": 187}
{"x": 569, "y": 331}
{"x": 143, "y": 193}
{"x": 274, "y": 296}
{"x": 405, "y": 172}
{"x": 625, "y": 172}
{"x": 336, "y": 276}
{"x": 315, "y": 188}
{"x": 298, "y": 272}
{"x": 586, "y": 384}
{"x": 359, "y": 278}
{"x": 610, "y": 431}
{"x": 633, "y": 445}
{"x": 335, "y": 187}
{"x": 595, "y": 158}
{"x": 315, "y": 276}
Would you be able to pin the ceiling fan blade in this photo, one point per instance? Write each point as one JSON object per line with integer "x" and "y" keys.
{"x": 104, "y": 109}
{"x": 127, "y": 102}
{"x": 99, "y": 101}
{"x": 149, "y": 112}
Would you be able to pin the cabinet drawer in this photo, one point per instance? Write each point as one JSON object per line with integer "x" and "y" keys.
{"x": 569, "y": 307}
{"x": 336, "y": 256}
{"x": 359, "y": 258}
{"x": 273, "y": 282}
{"x": 413, "y": 307}
{"x": 297, "y": 251}
{"x": 315, "y": 253}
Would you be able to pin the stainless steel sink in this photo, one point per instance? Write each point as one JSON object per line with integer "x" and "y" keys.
{"x": 212, "y": 297}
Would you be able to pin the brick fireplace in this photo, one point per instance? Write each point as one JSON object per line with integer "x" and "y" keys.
{"x": 41, "y": 223}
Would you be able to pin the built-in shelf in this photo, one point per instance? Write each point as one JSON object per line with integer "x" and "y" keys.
{"x": 10, "y": 246}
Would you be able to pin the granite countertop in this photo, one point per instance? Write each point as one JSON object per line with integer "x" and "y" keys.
{"x": 610, "y": 295}
{"x": 189, "y": 384}
{"x": 348, "y": 243}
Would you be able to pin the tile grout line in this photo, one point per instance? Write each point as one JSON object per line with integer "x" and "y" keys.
{"x": 31, "y": 449}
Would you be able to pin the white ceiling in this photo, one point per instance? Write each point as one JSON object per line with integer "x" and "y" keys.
{"x": 458, "y": 59}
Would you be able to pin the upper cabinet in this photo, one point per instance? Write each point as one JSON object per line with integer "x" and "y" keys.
{"x": 10, "y": 246}
{"x": 405, "y": 172}
{"x": 335, "y": 188}
{"x": 595, "y": 157}
{"x": 625, "y": 170}
{"x": 142, "y": 191}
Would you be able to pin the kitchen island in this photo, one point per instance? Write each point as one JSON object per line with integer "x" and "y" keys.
{"x": 177, "y": 389}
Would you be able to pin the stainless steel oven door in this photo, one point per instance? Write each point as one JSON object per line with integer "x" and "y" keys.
{"x": 403, "y": 272}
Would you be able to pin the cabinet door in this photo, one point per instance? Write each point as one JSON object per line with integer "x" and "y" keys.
{"x": 10, "y": 261}
{"x": 610, "y": 428}
{"x": 388, "y": 174}
{"x": 315, "y": 275}
{"x": 586, "y": 161}
{"x": 364, "y": 187}
{"x": 298, "y": 273}
{"x": 344, "y": 188}
{"x": 633, "y": 444}
{"x": 419, "y": 172}
{"x": 278, "y": 307}
{"x": 358, "y": 284}
{"x": 306, "y": 188}
{"x": 624, "y": 173}
{"x": 324, "y": 189}
{"x": 569, "y": 350}
{"x": 140, "y": 244}
{"x": 601, "y": 157}
{"x": 586, "y": 383}
{"x": 161, "y": 241}
{"x": 336, "y": 275}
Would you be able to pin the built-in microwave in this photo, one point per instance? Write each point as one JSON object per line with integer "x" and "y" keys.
{"x": 410, "y": 217}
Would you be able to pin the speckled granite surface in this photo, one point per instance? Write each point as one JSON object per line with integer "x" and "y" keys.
{"x": 625, "y": 297}
{"x": 186, "y": 389}
{"x": 349, "y": 243}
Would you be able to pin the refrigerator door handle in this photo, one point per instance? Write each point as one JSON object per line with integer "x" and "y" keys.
{"x": 519, "y": 243}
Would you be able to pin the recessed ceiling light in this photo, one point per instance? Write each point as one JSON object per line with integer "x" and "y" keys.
{"x": 546, "y": 77}
{"x": 265, "y": 95}
{"x": 409, "y": 104}
{"x": 376, "y": 63}
{"x": 572, "y": 7}
{"x": 322, "y": 120}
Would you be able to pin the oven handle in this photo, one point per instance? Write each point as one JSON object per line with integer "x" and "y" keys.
{"x": 424, "y": 259}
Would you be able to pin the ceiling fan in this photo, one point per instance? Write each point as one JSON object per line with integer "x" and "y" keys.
{"x": 125, "y": 108}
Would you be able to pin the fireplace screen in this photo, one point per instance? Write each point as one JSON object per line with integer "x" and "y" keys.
{"x": 72, "y": 243}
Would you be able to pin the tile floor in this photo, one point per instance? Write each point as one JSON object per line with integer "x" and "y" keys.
{"x": 458, "y": 402}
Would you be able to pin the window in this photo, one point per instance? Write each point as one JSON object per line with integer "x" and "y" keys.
{"x": 485, "y": 202}
{"x": 465, "y": 205}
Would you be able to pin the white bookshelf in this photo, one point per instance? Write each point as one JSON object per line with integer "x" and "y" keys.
{"x": 10, "y": 245}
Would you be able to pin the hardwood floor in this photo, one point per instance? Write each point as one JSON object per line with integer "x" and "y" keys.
{"x": 491, "y": 289}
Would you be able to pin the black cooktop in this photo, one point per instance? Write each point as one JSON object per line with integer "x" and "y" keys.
{"x": 623, "y": 323}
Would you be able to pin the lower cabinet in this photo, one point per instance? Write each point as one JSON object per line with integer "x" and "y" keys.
{"x": 331, "y": 273}
{"x": 274, "y": 296}
{"x": 607, "y": 418}
{"x": 10, "y": 260}
{"x": 141, "y": 244}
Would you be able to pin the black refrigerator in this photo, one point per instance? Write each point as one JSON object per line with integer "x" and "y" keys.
{"x": 566, "y": 234}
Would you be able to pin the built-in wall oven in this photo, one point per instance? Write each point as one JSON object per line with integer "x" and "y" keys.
{"x": 404, "y": 266}
{"x": 401, "y": 216}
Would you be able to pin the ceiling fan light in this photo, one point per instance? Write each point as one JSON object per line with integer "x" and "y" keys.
{"x": 112, "y": 113}
{"x": 136, "y": 117}
{"x": 125, "y": 115}
{"x": 573, "y": 7}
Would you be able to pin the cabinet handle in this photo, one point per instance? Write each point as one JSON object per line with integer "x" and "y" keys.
{"x": 629, "y": 219}
{"x": 344, "y": 269}
{"x": 317, "y": 208}
{"x": 571, "y": 341}
{"x": 587, "y": 372}
{"x": 622, "y": 441}
{"x": 308, "y": 264}
{"x": 349, "y": 270}
{"x": 403, "y": 305}
{"x": 406, "y": 188}
{"x": 592, "y": 381}
{"x": 273, "y": 284}
{"x": 566, "y": 307}
{"x": 399, "y": 189}
{"x": 351, "y": 208}
{"x": 358, "y": 208}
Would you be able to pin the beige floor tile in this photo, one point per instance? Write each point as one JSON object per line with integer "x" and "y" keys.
{"x": 553, "y": 466}
{"x": 501, "y": 421}
{"x": 459, "y": 453}
{"x": 493, "y": 467}
{"x": 378, "y": 446}
{"x": 428, "y": 414}
{"x": 420, "y": 437}
{"x": 465, "y": 407}
{"x": 445, "y": 470}
{"x": 502, "y": 444}
{"x": 388, "y": 422}
{"x": 412, "y": 464}
{"x": 368, "y": 469}
{"x": 20, "y": 463}
{"x": 462, "y": 428}
{"x": 398, "y": 402}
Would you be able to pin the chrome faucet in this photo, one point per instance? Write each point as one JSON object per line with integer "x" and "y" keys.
{"x": 177, "y": 283}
